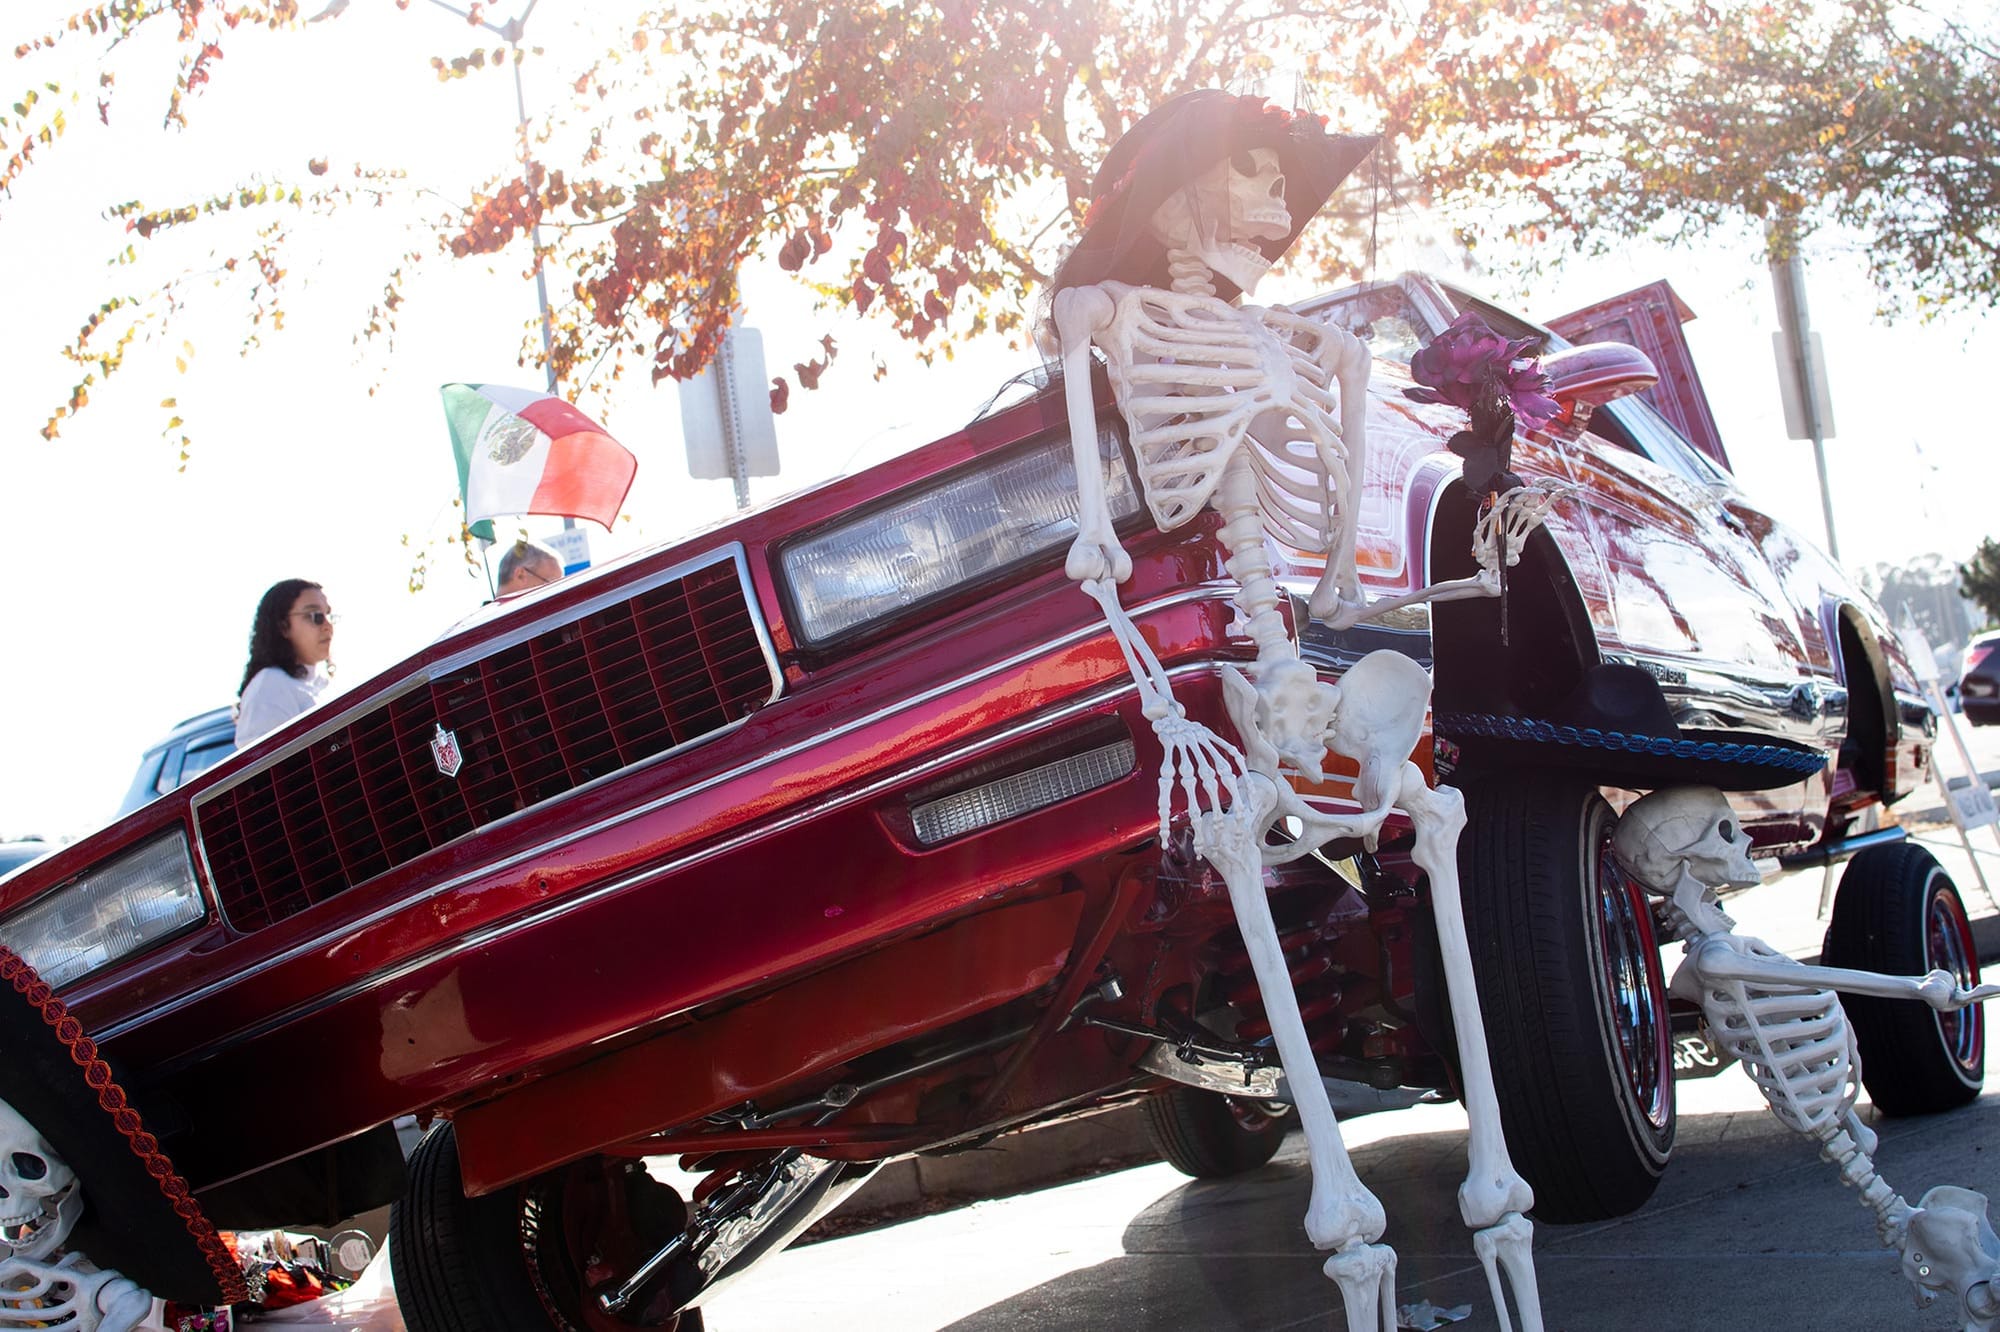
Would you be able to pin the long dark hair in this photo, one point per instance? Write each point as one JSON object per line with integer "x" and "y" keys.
{"x": 270, "y": 645}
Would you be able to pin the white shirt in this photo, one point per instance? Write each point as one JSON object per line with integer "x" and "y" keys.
{"x": 272, "y": 698}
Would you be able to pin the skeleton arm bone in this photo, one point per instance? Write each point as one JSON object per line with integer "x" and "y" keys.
{"x": 1499, "y": 537}
{"x": 1458, "y": 589}
{"x": 1080, "y": 314}
{"x": 1938, "y": 989}
{"x": 1338, "y": 599}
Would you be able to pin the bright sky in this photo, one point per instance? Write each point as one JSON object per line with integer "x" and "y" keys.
{"x": 134, "y": 583}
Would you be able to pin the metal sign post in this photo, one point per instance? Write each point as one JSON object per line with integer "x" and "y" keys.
{"x": 1801, "y": 364}
{"x": 1969, "y": 803}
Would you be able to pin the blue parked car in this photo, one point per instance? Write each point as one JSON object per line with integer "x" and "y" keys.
{"x": 191, "y": 748}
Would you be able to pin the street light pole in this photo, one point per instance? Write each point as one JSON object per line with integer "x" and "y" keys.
{"x": 510, "y": 32}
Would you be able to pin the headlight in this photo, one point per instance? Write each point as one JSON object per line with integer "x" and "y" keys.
{"x": 107, "y": 913}
{"x": 949, "y": 534}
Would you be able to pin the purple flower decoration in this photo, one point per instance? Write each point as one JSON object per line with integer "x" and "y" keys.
{"x": 1496, "y": 384}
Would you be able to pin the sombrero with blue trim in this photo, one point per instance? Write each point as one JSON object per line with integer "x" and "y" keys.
{"x": 139, "y": 1216}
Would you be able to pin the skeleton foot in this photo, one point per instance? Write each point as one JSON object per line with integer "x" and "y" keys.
{"x": 1509, "y": 1247}
{"x": 1367, "y": 1277}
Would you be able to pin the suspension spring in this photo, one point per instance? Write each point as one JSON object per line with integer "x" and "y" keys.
{"x": 1314, "y": 978}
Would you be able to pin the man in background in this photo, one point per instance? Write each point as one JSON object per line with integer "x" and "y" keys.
{"x": 526, "y": 566}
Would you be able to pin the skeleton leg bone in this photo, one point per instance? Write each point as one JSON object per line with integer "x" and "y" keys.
{"x": 1494, "y": 1198}
{"x": 1342, "y": 1214}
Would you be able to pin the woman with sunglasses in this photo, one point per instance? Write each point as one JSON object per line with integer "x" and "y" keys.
{"x": 290, "y": 641}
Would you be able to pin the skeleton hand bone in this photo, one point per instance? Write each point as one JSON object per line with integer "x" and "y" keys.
{"x": 71, "y": 1294}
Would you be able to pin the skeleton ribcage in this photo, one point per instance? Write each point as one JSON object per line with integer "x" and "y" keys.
{"x": 1198, "y": 379}
{"x": 1795, "y": 1044}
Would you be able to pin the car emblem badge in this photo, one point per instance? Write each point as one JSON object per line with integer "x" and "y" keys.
{"x": 444, "y": 748}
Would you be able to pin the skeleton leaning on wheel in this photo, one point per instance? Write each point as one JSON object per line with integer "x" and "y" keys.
{"x": 1785, "y": 1022}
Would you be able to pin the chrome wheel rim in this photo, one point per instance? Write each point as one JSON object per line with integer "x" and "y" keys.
{"x": 1634, "y": 991}
{"x": 1948, "y": 947}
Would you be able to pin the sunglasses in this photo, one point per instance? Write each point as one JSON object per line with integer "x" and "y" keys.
{"x": 316, "y": 618}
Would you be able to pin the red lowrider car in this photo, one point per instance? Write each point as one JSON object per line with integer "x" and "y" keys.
{"x": 829, "y": 835}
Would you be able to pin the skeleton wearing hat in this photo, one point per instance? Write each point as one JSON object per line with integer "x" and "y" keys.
{"x": 1259, "y": 414}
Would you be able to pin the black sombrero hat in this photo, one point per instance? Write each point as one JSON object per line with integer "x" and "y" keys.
{"x": 139, "y": 1215}
{"x": 1174, "y": 144}
{"x": 1615, "y": 724}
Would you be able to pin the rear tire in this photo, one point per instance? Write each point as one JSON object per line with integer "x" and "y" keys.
{"x": 1572, "y": 994}
{"x": 1897, "y": 911}
{"x": 1211, "y": 1136}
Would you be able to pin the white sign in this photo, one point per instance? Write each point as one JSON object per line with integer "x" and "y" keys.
{"x": 1973, "y": 805}
{"x": 726, "y": 413}
{"x": 1918, "y": 648}
{"x": 573, "y": 545}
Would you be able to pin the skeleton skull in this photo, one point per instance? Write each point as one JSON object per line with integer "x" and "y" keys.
{"x": 1225, "y": 211}
{"x": 39, "y": 1200}
{"x": 1691, "y": 825}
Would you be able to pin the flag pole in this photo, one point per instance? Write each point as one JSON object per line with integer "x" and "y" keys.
{"x": 510, "y": 32}
{"x": 486, "y": 558}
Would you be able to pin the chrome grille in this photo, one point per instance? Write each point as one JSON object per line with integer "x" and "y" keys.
{"x": 625, "y": 680}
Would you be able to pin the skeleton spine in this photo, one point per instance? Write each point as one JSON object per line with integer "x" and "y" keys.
{"x": 1837, "y": 1145}
{"x": 1249, "y": 562}
{"x": 1191, "y": 276}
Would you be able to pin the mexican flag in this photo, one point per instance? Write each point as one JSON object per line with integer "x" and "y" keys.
{"x": 520, "y": 452}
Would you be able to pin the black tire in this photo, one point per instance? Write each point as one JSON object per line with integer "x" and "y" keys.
{"x": 463, "y": 1264}
{"x": 1211, "y": 1136}
{"x": 1897, "y": 911}
{"x": 1572, "y": 994}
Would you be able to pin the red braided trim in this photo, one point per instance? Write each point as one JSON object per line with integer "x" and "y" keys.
{"x": 112, "y": 1099}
